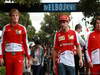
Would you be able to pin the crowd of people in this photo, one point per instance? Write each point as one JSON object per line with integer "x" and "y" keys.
{"x": 70, "y": 55}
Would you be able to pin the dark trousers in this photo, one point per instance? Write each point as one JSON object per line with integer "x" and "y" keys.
{"x": 36, "y": 69}
{"x": 65, "y": 70}
{"x": 77, "y": 67}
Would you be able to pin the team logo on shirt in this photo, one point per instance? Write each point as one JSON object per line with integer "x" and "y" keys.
{"x": 70, "y": 37}
{"x": 9, "y": 30}
{"x": 94, "y": 37}
{"x": 61, "y": 38}
{"x": 18, "y": 31}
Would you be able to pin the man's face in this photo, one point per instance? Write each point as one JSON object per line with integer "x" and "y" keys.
{"x": 64, "y": 23}
{"x": 14, "y": 17}
{"x": 98, "y": 24}
{"x": 80, "y": 30}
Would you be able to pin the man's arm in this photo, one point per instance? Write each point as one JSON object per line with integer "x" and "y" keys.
{"x": 78, "y": 48}
{"x": 54, "y": 54}
{"x": 25, "y": 44}
{"x": 81, "y": 41}
{"x": 3, "y": 41}
{"x": 26, "y": 47}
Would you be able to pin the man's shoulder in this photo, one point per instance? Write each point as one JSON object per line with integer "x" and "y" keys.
{"x": 92, "y": 33}
{"x": 6, "y": 26}
{"x": 72, "y": 32}
{"x": 58, "y": 32}
{"x": 21, "y": 26}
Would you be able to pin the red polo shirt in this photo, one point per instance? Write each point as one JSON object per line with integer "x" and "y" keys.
{"x": 93, "y": 41}
{"x": 65, "y": 41}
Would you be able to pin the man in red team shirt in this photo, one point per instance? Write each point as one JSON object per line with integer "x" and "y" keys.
{"x": 64, "y": 44}
{"x": 94, "y": 47}
{"x": 14, "y": 45}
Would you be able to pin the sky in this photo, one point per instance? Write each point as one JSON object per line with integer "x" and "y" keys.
{"x": 36, "y": 19}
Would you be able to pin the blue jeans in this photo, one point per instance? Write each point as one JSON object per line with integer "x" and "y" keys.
{"x": 65, "y": 70}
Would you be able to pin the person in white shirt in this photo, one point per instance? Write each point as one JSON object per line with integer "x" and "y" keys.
{"x": 78, "y": 29}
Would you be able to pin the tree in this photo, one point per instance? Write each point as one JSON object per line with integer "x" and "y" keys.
{"x": 89, "y": 7}
{"x": 25, "y": 19}
{"x": 31, "y": 32}
{"x": 43, "y": 37}
{"x": 22, "y": 2}
{"x": 4, "y": 19}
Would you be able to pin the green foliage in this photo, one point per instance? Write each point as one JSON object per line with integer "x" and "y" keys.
{"x": 2, "y": 70}
{"x": 4, "y": 19}
{"x": 27, "y": 2}
{"x": 43, "y": 37}
{"x": 31, "y": 32}
{"x": 22, "y": 2}
{"x": 89, "y": 7}
{"x": 24, "y": 19}
{"x": 1, "y": 1}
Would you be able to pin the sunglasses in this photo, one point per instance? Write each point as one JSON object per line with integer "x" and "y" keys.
{"x": 63, "y": 21}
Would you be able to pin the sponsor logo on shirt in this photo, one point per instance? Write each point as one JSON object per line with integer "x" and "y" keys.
{"x": 70, "y": 37}
{"x": 18, "y": 31}
{"x": 65, "y": 44}
{"x": 61, "y": 38}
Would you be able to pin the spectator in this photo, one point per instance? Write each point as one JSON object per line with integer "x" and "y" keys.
{"x": 37, "y": 54}
{"x": 78, "y": 29}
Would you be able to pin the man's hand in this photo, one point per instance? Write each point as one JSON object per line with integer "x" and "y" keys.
{"x": 81, "y": 63}
{"x": 1, "y": 61}
{"x": 54, "y": 68}
{"x": 90, "y": 65}
{"x": 29, "y": 63}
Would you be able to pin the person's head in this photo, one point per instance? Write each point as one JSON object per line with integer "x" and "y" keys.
{"x": 78, "y": 28}
{"x": 64, "y": 20}
{"x": 97, "y": 23}
{"x": 14, "y": 16}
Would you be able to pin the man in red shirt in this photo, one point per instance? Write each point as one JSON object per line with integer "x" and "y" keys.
{"x": 14, "y": 45}
{"x": 64, "y": 44}
{"x": 94, "y": 47}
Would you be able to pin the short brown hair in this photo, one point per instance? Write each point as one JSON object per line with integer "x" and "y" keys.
{"x": 14, "y": 11}
{"x": 78, "y": 26}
